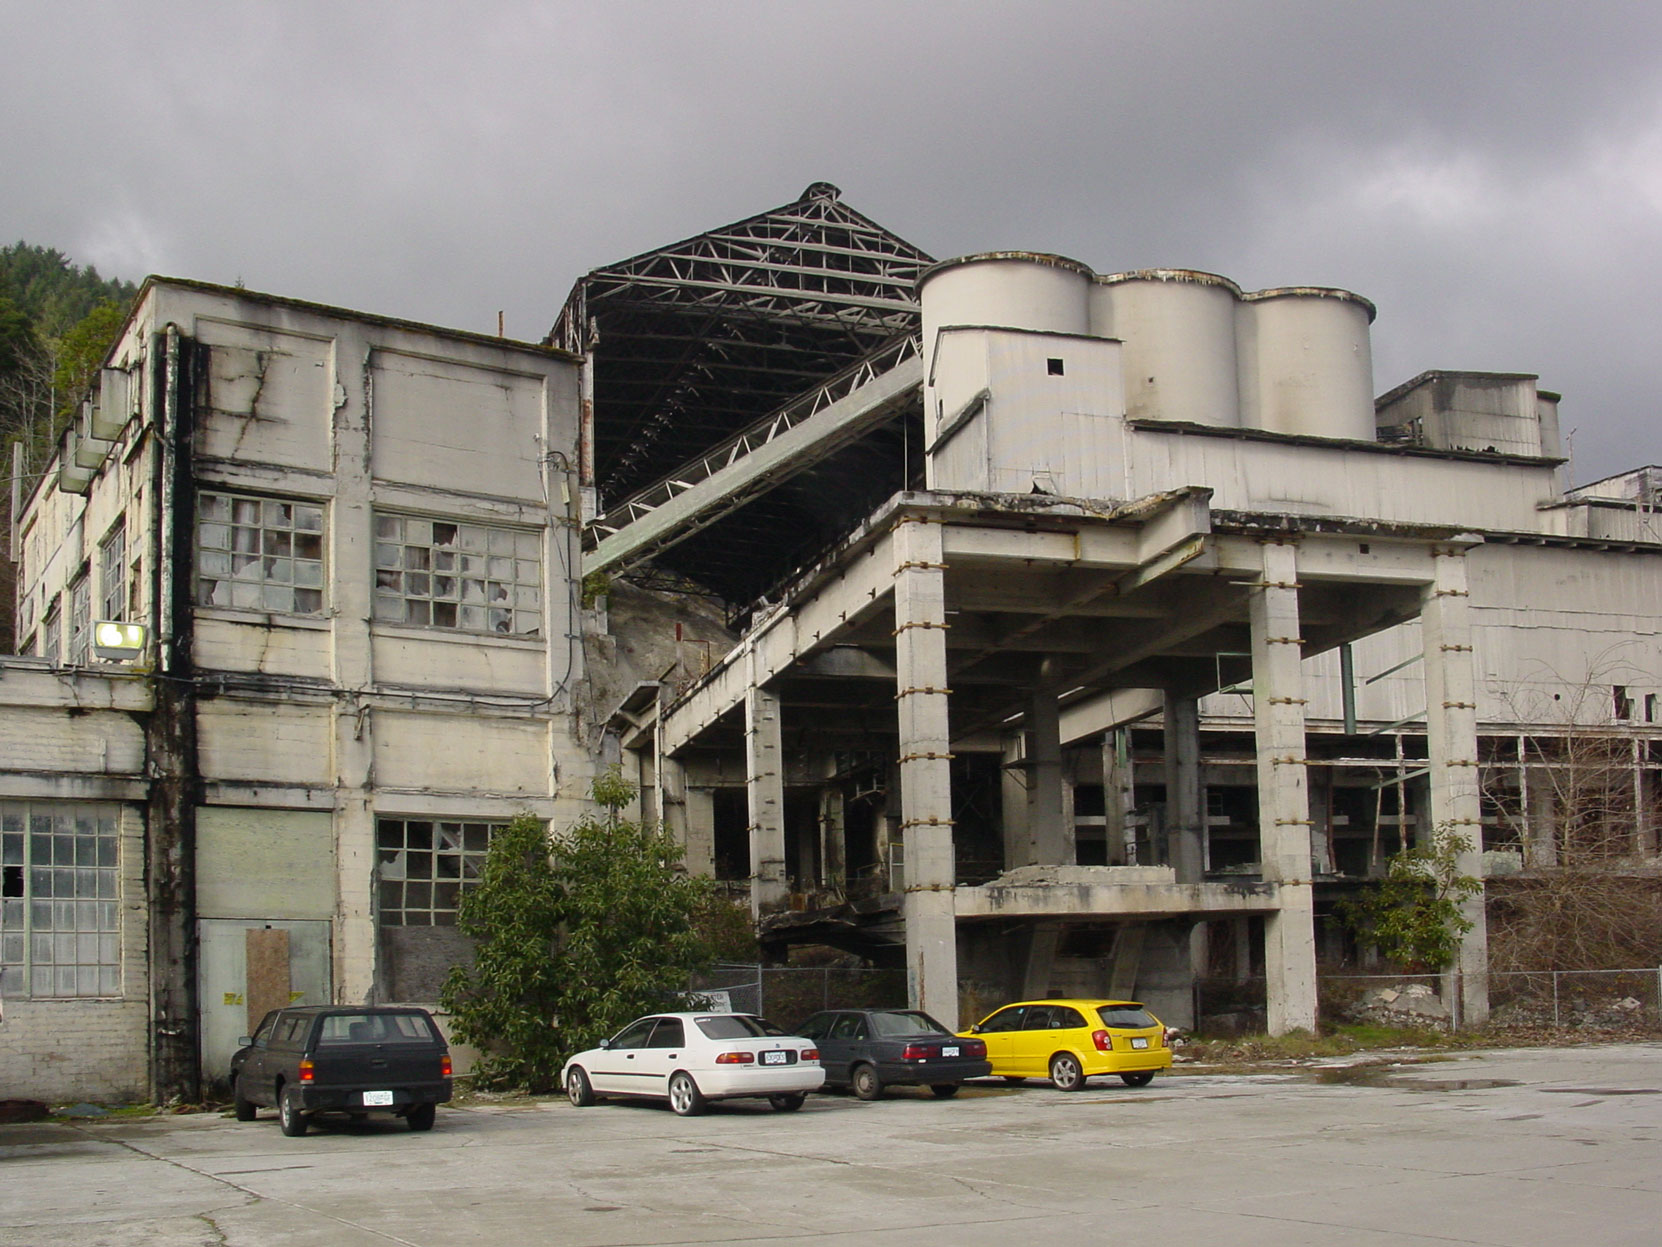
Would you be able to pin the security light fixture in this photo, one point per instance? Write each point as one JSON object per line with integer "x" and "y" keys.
{"x": 114, "y": 641}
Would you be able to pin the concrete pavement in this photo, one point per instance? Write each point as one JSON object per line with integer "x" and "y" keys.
{"x": 1520, "y": 1147}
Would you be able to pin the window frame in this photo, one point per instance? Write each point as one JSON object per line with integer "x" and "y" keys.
{"x": 79, "y": 638}
{"x": 72, "y": 942}
{"x": 458, "y": 575}
{"x": 258, "y": 579}
{"x": 112, "y": 573}
{"x": 394, "y": 864}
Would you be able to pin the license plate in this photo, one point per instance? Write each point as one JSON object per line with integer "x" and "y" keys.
{"x": 774, "y": 1058}
{"x": 949, "y": 1050}
{"x": 1140, "y": 1041}
{"x": 374, "y": 1099}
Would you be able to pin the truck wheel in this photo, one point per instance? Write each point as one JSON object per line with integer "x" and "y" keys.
{"x": 245, "y": 1108}
{"x": 289, "y": 1115}
{"x": 421, "y": 1117}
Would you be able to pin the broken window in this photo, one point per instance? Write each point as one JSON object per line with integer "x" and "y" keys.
{"x": 51, "y": 635}
{"x": 423, "y": 866}
{"x": 112, "y": 574}
{"x": 263, "y": 554}
{"x": 59, "y": 932}
{"x": 80, "y": 620}
{"x": 470, "y": 577}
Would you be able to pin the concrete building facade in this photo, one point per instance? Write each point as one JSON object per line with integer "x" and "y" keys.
{"x": 351, "y": 540}
{"x": 1037, "y": 630}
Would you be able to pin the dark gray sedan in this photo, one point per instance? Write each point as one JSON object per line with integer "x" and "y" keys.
{"x": 869, "y": 1049}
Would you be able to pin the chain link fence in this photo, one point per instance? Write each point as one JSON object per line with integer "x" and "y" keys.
{"x": 788, "y": 994}
{"x": 1596, "y": 999}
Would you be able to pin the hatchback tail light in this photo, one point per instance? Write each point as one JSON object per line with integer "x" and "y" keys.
{"x": 1103, "y": 1040}
{"x": 808, "y": 1054}
{"x": 307, "y": 1070}
{"x": 735, "y": 1058}
{"x": 444, "y": 1066}
{"x": 917, "y": 1052}
{"x": 974, "y": 1048}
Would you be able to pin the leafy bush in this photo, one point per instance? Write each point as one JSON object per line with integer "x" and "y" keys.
{"x": 575, "y": 938}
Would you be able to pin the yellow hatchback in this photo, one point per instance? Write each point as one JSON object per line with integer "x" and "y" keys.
{"x": 1069, "y": 1041}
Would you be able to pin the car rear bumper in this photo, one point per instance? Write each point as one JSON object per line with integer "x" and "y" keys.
{"x": 730, "y": 1082}
{"x": 1128, "y": 1062}
{"x": 350, "y": 1099}
{"x": 932, "y": 1073}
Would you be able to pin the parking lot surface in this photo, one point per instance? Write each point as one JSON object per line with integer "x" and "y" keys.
{"x": 1515, "y": 1147}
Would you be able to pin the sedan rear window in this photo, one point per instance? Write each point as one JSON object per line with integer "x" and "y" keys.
{"x": 1127, "y": 1017}
{"x": 736, "y": 1026}
{"x": 905, "y": 1023}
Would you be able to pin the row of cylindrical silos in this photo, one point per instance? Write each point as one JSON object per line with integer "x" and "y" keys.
{"x": 1196, "y": 347}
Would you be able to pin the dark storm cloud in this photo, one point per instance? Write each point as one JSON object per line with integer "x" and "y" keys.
{"x": 1489, "y": 174}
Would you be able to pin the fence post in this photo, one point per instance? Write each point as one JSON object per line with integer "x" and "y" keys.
{"x": 1659, "y": 991}
{"x": 1555, "y": 997}
{"x": 761, "y": 977}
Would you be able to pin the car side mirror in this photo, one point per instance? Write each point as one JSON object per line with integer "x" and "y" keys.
{"x": 976, "y": 1029}
{"x": 605, "y": 1043}
{"x": 244, "y": 1042}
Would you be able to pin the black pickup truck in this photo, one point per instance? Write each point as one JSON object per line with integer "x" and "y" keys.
{"x": 338, "y": 1059}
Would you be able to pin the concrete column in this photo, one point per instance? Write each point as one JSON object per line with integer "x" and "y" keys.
{"x": 698, "y": 816}
{"x": 1013, "y": 784}
{"x": 1185, "y": 799}
{"x": 1041, "y": 959}
{"x": 1117, "y": 798}
{"x": 1451, "y": 741}
{"x": 833, "y": 824}
{"x": 1283, "y": 798}
{"x": 672, "y": 798}
{"x": 1240, "y": 930}
{"x": 925, "y": 768}
{"x": 1127, "y": 959}
{"x": 1048, "y": 840}
{"x": 765, "y": 791}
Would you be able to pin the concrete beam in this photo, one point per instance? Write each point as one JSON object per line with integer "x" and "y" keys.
{"x": 1080, "y": 893}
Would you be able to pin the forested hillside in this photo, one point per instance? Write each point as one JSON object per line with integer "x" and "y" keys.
{"x": 57, "y": 320}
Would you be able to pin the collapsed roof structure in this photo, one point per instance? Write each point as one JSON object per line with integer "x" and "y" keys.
{"x": 708, "y": 349}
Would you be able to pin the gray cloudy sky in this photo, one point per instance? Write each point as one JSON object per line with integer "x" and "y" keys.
{"x": 1490, "y": 174}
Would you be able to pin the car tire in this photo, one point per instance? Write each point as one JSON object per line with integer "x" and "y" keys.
{"x": 865, "y": 1082}
{"x": 1140, "y": 1079}
{"x": 1066, "y": 1074}
{"x": 421, "y": 1116}
{"x": 289, "y": 1114}
{"x": 578, "y": 1088}
{"x": 787, "y": 1101}
{"x": 245, "y": 1109}
{"x": 685, "y": 1099}
{"x": 944, "y": 1090}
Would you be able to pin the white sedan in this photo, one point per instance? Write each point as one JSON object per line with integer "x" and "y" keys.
{"x": 690, "y": 1059}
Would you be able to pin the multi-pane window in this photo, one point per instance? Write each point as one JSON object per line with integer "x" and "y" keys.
{"x": 472, "y": 577}
{"x": 112, "y": 574}
{"x": 259, "y": 553}
{"x": 51, "y": 634}
{"x": 80, "y": 621}
{"x": 59, "y": 917}
{"x": 423, "y": 865}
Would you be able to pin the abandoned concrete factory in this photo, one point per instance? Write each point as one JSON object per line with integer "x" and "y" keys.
{"x": 1035, "y": 629}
